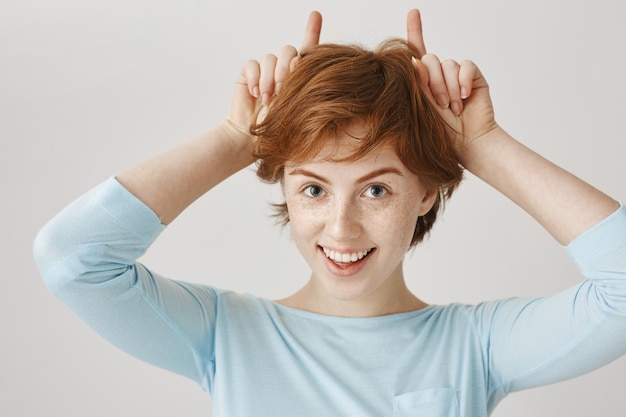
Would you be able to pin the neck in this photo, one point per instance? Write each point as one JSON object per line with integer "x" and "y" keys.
{"x": 392, "y": 297}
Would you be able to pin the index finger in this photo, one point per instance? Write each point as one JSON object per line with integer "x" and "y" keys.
{"x": 312, "y": 31}
{"x": 414, "y": 31}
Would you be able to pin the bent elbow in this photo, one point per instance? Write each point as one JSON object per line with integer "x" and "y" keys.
{"x": 63, "y": 256}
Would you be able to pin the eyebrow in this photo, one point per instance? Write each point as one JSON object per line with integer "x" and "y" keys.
{"x": 366, "y": 177}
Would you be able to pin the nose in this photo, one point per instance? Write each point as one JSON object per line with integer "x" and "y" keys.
{"x": 343, "y": 221}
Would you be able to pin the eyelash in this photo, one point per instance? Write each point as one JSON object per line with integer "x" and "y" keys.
{"x": 307, "y": 191}
{"x": 384, "y": 190}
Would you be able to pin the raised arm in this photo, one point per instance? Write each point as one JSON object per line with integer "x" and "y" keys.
{"x": 563, "y": 204}
{"x": 88, "y": 253}
{"x": 170, "y": 182}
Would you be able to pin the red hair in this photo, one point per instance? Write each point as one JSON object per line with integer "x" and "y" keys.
{"x": 336, "y": 86}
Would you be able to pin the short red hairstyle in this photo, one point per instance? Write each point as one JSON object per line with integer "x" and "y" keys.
{"x": 336, "y": 86}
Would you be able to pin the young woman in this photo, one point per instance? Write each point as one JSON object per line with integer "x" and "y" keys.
{"x": 366, "y": 146}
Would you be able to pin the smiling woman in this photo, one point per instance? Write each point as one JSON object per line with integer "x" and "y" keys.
{"x": 355, "y": 228}
{"x": 366, "y": 145}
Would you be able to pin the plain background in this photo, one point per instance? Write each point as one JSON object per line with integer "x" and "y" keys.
{"x": 90, "y": 88}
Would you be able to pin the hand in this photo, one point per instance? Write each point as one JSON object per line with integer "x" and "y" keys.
{"x": 259, "y": 81}
{"x": 459, "y": 89}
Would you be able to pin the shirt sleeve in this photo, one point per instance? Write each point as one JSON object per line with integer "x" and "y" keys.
{"x": 533, "y": 342}
{"x": 87, "y": 256}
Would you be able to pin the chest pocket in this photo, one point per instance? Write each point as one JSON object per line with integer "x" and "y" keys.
{"x": 434, "y": 402}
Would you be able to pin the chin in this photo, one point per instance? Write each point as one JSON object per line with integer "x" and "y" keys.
{"x": 346, "y": 290}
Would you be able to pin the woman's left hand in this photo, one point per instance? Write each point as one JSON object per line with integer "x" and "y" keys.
{"x": 562, "y": 203}
{"x": 459, "y": 90}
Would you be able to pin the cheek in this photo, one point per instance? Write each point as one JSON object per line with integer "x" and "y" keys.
{"x": 398, "y": 223}
{"x": 303, "y": 218}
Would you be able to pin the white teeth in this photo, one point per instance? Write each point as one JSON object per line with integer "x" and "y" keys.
{"x": 345, "y": 257}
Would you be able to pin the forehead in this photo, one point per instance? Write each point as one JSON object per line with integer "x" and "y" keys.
{"x": 335, "y": 159}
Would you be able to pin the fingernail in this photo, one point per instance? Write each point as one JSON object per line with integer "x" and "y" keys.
{"x": 255, "y": 91}
{"x": 277, "y": 88}
{"x": 455, "y": 107}
{"x": 463, "y": 93}
{"x": 442, "y": 99}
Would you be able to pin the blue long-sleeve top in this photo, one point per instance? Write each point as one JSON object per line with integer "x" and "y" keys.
{"x": 257, "y": 357}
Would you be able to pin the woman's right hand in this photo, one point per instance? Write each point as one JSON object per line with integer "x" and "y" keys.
{"x": 259, "y": 81}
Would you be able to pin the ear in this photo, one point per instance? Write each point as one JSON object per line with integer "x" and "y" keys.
{"x": 428, "y": 200}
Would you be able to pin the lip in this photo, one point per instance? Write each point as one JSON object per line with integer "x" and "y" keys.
{"x": 346, "y": 255}
{"x": 347, "y": 269}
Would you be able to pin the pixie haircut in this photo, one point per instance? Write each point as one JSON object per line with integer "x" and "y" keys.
{"x": 335, "y": 86}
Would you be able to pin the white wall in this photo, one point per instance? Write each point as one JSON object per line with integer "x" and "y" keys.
{"x": 90, "y": 88}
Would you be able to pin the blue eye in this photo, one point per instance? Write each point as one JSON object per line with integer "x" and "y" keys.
{"x": 376, "y": 191}
{"x": 313, "y": 191}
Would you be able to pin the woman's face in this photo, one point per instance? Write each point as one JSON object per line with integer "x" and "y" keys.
{"x": 353, "y": 221}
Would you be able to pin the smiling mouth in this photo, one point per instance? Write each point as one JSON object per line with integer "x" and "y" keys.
{"x": 345, "y": 257}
